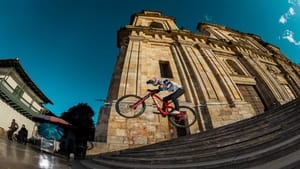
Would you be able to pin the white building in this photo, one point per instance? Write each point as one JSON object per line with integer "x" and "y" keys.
{"x": 20, "y": 98}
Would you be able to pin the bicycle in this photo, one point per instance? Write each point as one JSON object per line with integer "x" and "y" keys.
{"x": 132, "y": 106}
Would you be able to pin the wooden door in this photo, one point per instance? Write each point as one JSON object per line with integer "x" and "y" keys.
{"x": 251, "y": 95}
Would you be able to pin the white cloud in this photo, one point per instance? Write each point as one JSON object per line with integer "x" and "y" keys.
{"x": 291, "y": 11}
{"x": 294, "y": 2}
{"x": 289, "y": 35}
{"x": 283, "y": 18}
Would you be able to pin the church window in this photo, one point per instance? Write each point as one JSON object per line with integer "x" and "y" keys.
{"x": 165, "y": 69}
{"x": 156, "y": 25}
{"x": 236, "y": 70}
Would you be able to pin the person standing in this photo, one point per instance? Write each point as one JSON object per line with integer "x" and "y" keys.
{"x": 12, "y": 128}
{"x": 22, "y": 135}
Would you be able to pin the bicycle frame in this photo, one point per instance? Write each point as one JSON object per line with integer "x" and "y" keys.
{"x": 156, "y": 100}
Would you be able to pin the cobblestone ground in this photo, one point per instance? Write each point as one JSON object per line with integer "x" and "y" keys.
{"x": 18, "y": 156}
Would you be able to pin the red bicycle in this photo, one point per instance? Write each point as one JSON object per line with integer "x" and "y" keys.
{"x": 131, "y": 106}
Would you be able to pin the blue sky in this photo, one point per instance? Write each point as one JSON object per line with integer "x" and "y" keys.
{"x": 69, "y": 47}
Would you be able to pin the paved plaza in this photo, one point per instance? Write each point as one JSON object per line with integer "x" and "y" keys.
{"x": 18, "y": 156}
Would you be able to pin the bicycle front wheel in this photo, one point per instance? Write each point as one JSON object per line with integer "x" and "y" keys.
{"x": 129, "y": 106}
{"x": 186, "y": 117}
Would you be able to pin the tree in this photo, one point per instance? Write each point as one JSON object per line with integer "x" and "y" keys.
{"x": 81, "y": 118}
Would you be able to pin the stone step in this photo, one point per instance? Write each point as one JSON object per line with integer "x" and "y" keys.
{"x": 244, "y": 161}
{"x": 202, "y": 147}
{"x": 88, "y": 164}
{"x": 258, "y": 141}
{"x": 208, "y": 154}
{"x": 233, "y": 128}
{"x": 220, "y": 137}
{"x": 245, "y": 144}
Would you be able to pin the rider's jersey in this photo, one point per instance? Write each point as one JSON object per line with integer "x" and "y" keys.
{"x": 166, "y": 84}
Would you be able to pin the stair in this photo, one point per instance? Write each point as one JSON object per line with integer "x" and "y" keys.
{"x": 269, "y": 140}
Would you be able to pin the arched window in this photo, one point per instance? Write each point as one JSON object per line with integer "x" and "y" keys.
{"x": 236, "y": 70}
{"x": 156, "y": 25}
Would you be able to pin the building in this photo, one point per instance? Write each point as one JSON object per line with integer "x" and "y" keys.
{"x": 20, "y": 98}
{"x": 228, "y": 76}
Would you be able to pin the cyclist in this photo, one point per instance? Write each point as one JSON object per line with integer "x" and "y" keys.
{"x": 166, "y": 84}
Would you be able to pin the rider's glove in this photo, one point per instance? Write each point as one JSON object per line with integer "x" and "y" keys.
{"x": 149, "y": 81}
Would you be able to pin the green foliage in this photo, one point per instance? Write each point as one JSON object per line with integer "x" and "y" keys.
{"x": 81, "y": 117}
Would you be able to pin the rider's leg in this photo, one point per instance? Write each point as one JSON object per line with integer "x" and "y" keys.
{"x": 174, "y": 97}
{"x": 166, "y": 99}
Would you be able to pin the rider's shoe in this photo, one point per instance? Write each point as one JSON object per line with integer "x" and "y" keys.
{"x": 174, "y": 112}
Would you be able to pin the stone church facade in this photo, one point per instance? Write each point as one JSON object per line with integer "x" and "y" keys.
{"x": 228, "y": 76}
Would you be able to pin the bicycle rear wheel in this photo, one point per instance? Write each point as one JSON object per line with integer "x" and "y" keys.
{"x": 124, "y": 106}
{"x": 186, "y": 117}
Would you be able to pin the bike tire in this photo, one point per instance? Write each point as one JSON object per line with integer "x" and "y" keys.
{"x": 123, "y": 106}
{"x": 186, "y": 121}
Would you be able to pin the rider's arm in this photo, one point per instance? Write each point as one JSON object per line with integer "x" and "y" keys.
{"x": 161, "y": 88}
{"x": 153, "y": 82}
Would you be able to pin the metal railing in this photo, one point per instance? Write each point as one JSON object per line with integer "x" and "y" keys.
{"x": 20, "y": 104}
